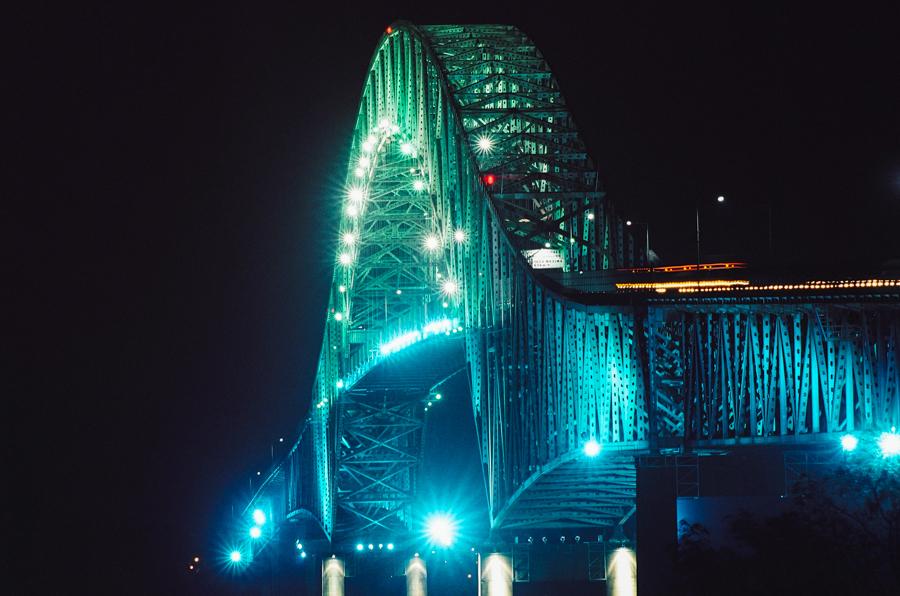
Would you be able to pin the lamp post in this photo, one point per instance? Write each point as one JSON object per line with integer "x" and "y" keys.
{"x": 646, "y": 225}
{"x": 720, "y": 199}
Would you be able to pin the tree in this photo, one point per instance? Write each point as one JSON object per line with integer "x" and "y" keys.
{"x": 840, "y": 536}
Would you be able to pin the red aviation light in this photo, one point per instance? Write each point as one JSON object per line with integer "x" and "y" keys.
{"x": 389, "y": 30}
{"x": 489, "y": 179}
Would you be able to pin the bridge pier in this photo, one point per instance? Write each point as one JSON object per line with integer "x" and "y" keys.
{"x": 495, "y": 572}
{"x": 416, "y": 577}
{"x": 621, "y": 576}
{"x": 333, "y": 573}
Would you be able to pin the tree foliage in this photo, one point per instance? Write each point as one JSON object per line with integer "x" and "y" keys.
{"x": 841, "y": 535}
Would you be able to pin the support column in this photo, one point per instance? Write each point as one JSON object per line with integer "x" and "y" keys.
{"x": 496, "y": 575}
{"x": 416, "y": 577}
{"x": 621, "y": 575}
{"x": 333, "y": 577}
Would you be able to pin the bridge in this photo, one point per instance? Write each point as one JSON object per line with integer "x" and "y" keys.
{"x": 478, "y": 254}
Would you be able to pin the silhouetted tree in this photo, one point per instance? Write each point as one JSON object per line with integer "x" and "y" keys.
{"x": 841, "y": 535}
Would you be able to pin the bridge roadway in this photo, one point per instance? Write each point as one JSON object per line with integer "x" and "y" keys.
{"x": 465, "y": 172}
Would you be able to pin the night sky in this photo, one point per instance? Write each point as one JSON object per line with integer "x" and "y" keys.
{"x": 178, "y": 228}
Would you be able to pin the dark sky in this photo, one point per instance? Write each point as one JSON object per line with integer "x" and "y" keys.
{"x": 179, "y": 224}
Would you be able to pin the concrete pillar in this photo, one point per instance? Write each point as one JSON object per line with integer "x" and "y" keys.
{"x": 496, "y": 575}
{"x": 333, "y": 577}
{"x": 621, "y": 573}
{"x": 416, "y": 577}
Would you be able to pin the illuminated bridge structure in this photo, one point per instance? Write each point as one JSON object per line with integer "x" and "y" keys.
{"x": 466, "y": 177}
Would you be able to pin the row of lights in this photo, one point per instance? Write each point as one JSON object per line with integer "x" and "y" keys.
{"x": 431, "y": 243}
{"x": 888, "y": 443}
{"x": 437, "y": 327}
{"x": 812, "y": 285}
{"x": 362, "y": 547}
{"x": 440, "y": 528}
{"x": 236, "y": 556}
{"x": 357, "y": 195}
{"x": 562, "y": 539}
{"x": 437, "y": 397}
{"x": 677, "y": 285}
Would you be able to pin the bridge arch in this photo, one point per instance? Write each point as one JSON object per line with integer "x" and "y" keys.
{"x": 465, "y": 174}
{"x": 465, "y": 169}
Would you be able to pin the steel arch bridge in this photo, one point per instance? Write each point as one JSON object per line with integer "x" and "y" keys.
{"x": 466, "y": 170}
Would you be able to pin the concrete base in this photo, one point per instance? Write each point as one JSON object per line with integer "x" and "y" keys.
{"x": 621, "y": 573}
{"x": 333, "y": 573}
{"x": 416, "y": 577}
{"x": 496, "y": 575}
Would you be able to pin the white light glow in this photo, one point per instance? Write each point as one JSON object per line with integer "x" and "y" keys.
{"x": 352, "y": 210}
{"x": 590, "y": 216}
{"x": 340, "y": 384}
{"x": 432, "y": 242}
{"x": 364, "y": 162}
{"x": 400, "y": 342}
{"x": 450, "y": 287}
{"x": 342, "y": 289}
{"x": 235, "y": 556}
{"x": 259, "y": 517}
{"x": 439, "y": 326}
{"x": 406, "y": 148}
{"x": 418, "y": 185}
{"x": 255, "y": 532}
{"x": 592, "y": 448}
{"x": 368, "y": 146}
{"x": 497, "y": 574}
{"x": 622, "y": 573}
{"x": 889, "y": 443}
{"x": 359, "y": 172}
{"x": 441, "y": 529}
{"x": 346, "y": 258}
{"x": 338, "y": 316}
{"x": 356, "y": 194}
{"x": 459, "y": 235}
{"x": 849, "y": 442}
{"x": 349, "y": 238}
{"x": 484, "y": 144}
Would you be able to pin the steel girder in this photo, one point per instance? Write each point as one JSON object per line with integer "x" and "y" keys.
{"x": 759, "y": 370}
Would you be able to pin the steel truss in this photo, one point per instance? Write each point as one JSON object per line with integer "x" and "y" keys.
{"x": 463, "y": 161}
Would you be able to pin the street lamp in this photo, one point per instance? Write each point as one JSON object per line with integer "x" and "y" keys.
{"x": 720, "y": 200}
{"x": 646, "y": 225}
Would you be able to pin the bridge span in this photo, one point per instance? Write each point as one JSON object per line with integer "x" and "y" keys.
{"x": 478, "y": 252}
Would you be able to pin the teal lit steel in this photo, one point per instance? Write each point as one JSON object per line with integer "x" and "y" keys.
{"x": 466, "y": 172}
